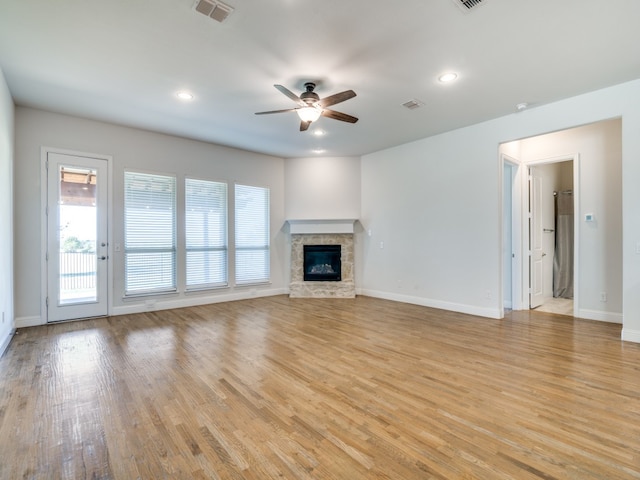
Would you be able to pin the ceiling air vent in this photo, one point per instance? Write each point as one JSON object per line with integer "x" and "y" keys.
{"x": 468, "y": 5}
{"x": 413, "y": 104}
{"x": 211, "y": 8}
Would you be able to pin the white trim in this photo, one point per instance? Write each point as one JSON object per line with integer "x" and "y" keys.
{"x": 517, "y": 286}
{"x": 427, "y": 302}
{"x": 6, "y": 342}
{"x": 630, "y": 335}
{"x": 24, "y": 322}
{"x": 160, "y": 304}
{"x": 600, "y": 316}
{"x": 322, "y": 226}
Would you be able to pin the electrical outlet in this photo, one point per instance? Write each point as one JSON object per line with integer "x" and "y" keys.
{"x": 488, "y": 294}
{"x": 381, "y": 244}
{"x": 603, "y": 296}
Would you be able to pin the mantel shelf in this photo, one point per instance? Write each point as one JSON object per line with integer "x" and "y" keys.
{"x": 346, "y": 225}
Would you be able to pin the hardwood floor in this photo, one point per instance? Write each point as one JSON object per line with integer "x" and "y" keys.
{"x": 320, "y": 389}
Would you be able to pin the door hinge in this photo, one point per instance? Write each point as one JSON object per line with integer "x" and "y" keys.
{"x": 46, "y": 301}
{"x": 46, "y": 256}
{"x": 530, "y": 291}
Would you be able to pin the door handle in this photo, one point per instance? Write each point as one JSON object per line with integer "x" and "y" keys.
{"x": 103, "y": 258}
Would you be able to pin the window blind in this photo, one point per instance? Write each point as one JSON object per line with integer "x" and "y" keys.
{"x": 252, "y": 234}
{"x": 205, "y": 233}
{"x": 150, "y": 233}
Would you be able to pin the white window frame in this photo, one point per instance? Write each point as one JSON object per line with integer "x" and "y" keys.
{"x": 170, "y": 247}
{"x": 248, "y": 240}
{"x": 195, "y": 245}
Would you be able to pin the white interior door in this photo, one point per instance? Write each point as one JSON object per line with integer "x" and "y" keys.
{"x": 77, "y": 249}
{"x": 536, "y": 265}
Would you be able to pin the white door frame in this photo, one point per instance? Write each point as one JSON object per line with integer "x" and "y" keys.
{"x": 520, "y": 226}
{"x": 516, "y": 231}
{"x": 44, "y": 152}
{"x": 536, "y": 250}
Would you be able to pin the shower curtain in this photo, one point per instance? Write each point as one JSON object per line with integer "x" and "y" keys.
{"x": 563, "y": 259}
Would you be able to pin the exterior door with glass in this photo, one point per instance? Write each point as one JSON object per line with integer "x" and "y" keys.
{"x": 77, "y": 251}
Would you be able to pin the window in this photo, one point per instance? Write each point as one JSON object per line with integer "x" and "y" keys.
{"x": 149, "y": 233}
{"x": 252, "y": 234}
{"x": 205, "y": 233}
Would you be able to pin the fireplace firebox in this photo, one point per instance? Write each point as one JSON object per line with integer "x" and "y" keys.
{"x": 322, "y": 263}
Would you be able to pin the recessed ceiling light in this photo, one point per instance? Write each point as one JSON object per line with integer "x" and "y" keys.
{"x": 447, "y": 77}
{"x": 318, "y": 133}
{"x": 319, "y": 150}
{"x": 184, "y": 96}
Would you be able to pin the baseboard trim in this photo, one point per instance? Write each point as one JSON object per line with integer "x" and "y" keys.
{"x": 599, "y": 316}
{"x": 169, "y": 304}
{"x": 631, "y": 335}
{"x": 24, "y": 322}
{"x": 427, "y": 302}
{"x": 6, "y": 342}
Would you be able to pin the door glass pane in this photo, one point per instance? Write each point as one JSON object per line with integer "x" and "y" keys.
{"x": 77, "y": 235}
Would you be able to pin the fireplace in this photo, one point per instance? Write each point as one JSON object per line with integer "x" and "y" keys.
{"x": 322, "y": 263}
{"x": 319, "y": 233}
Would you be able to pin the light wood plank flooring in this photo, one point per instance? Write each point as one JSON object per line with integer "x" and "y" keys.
{"x": 320, "y": 389}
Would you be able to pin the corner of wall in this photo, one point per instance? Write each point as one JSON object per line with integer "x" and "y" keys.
{"x": 7, "y": 129}
{"x": 630, "y": 335}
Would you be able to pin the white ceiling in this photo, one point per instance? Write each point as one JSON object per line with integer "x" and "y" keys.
{"x": 123, "y": 61}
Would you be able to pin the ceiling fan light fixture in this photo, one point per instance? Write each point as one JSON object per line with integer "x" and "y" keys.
{"x": 309, "y": 114}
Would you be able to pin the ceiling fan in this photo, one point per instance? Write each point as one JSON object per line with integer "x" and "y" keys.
{"x": 311, "y": 106}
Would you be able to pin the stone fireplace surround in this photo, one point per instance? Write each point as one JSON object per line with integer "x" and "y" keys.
{"x": 322, "y": 232}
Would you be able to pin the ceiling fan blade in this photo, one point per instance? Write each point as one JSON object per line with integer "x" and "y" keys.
{"x": 290, "y": 94}
{"x": 337, "y": 98}
{"x": 276, "y": 111}
{"x": 304, "y": 126}
{"x": 339, "y": 116}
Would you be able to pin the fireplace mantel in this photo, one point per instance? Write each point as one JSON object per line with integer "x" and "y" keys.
{"x": 334, "y": 226}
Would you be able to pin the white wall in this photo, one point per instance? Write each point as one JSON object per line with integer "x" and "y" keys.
{"x": 6, "y": 214}
{"x": 135, "y": 149}
{"x": 322, "y": 188}
{"x": 599, "y": 146}
{"x": 435, "y": 204}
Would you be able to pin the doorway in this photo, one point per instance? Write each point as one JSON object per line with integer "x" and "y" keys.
{"x": 595, "y": 151}
{"x": 76, "y": 261}
{"x": 551, "y": 236}
{"x": 529, "y": 231}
